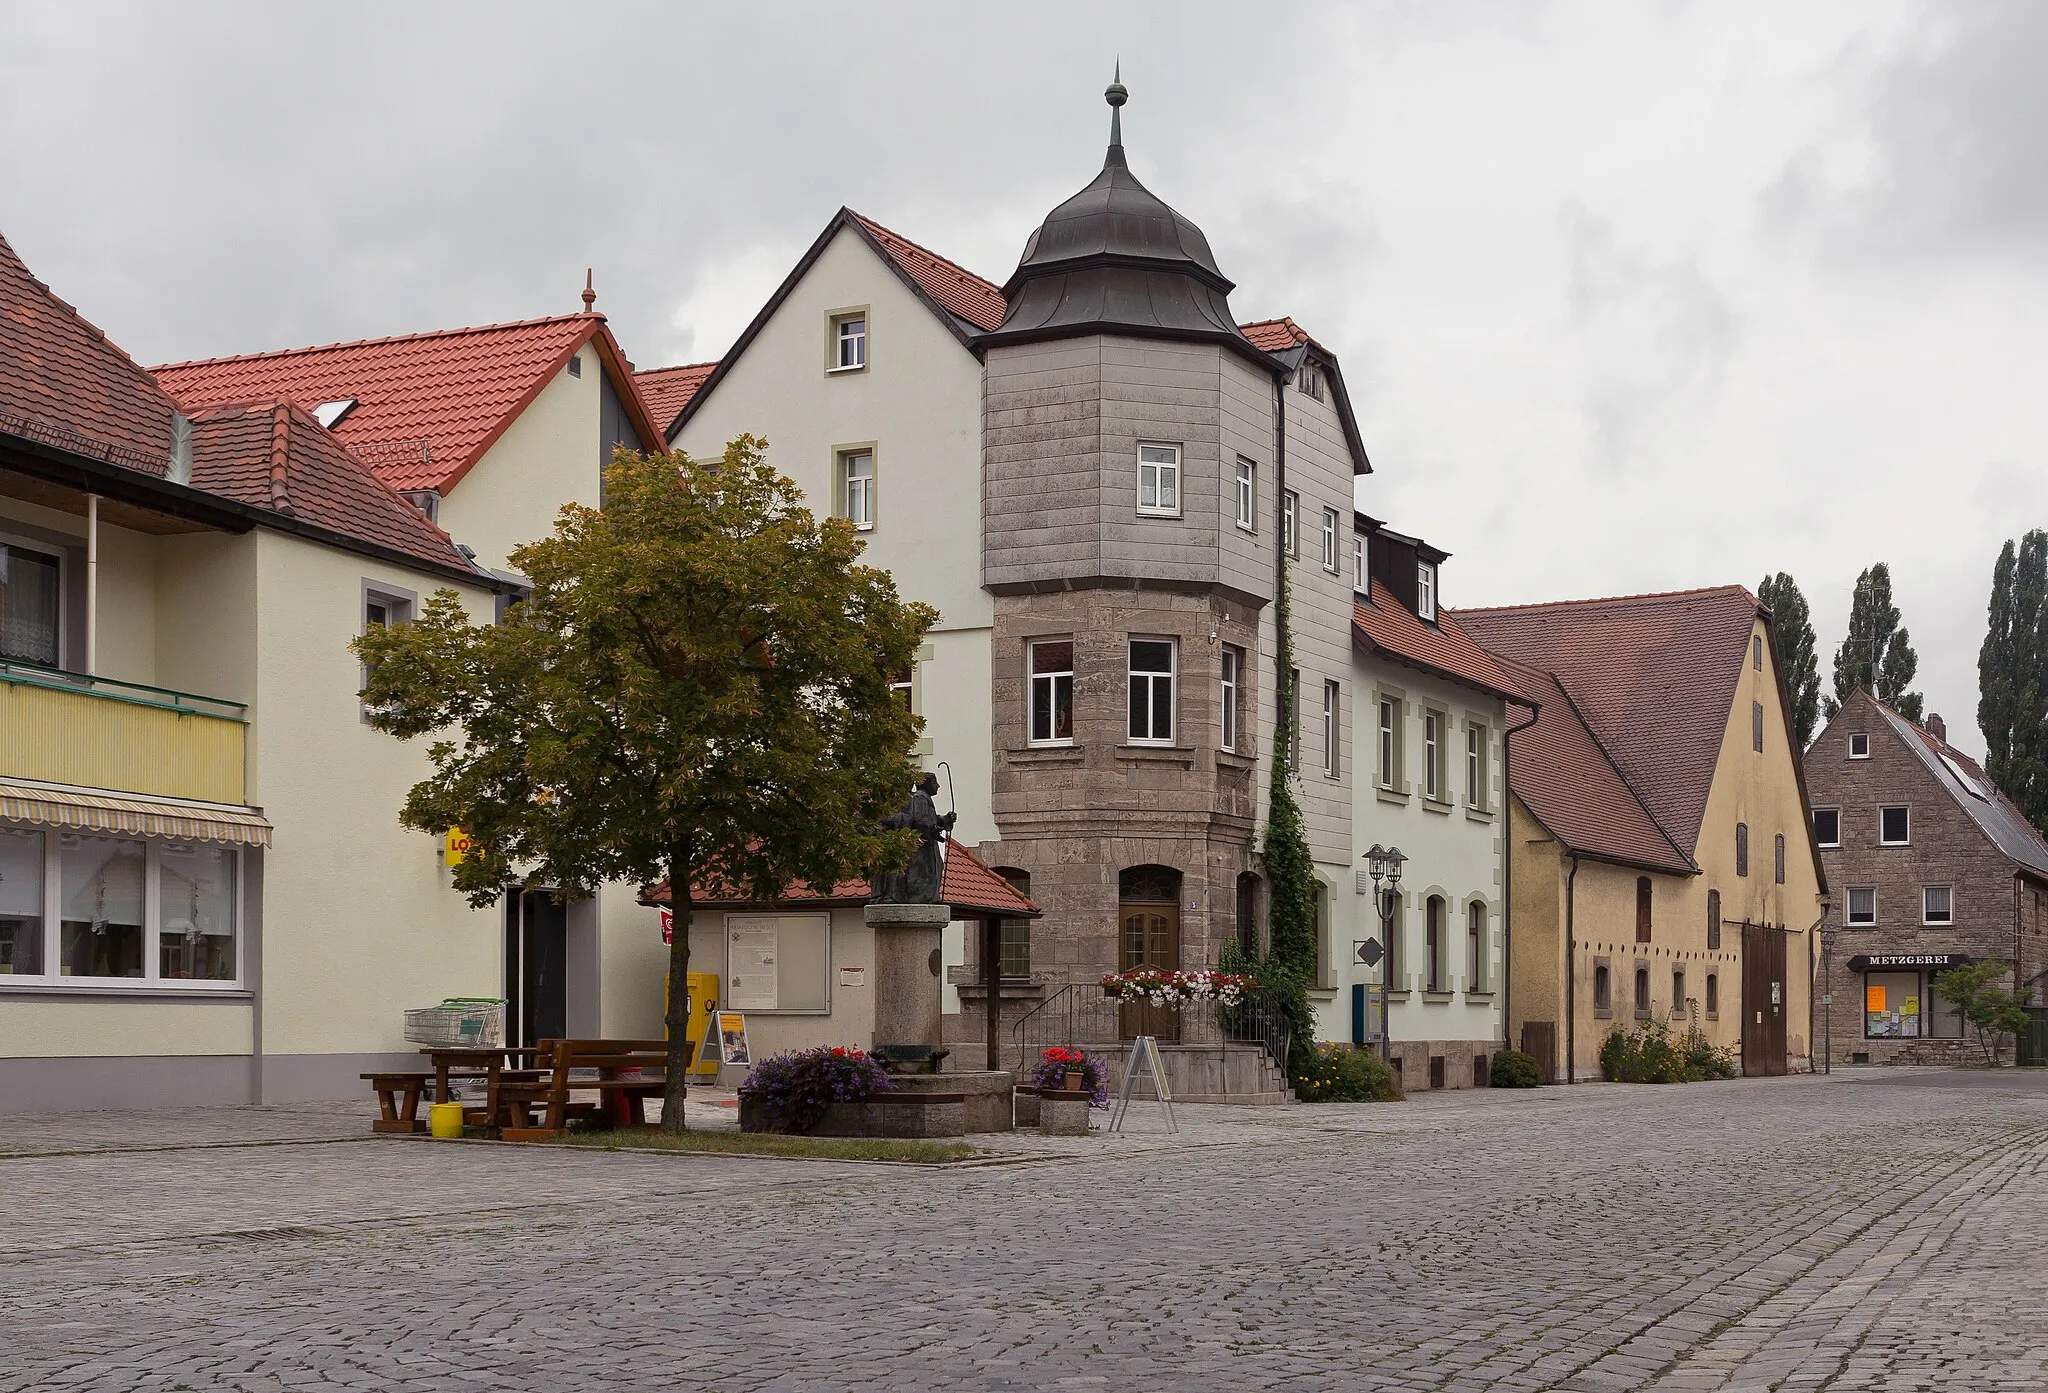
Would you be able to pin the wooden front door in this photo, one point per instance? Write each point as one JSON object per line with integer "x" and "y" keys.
{"x": 1150, "y": 938}
{"x": 1763, "y": 1000}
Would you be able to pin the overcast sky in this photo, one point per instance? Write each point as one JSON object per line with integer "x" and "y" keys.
{"x": 1629, "y": 296}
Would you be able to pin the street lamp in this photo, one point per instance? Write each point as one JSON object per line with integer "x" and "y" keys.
{"x": 1827, "y": 986}
{"x": 1383, "y": 864}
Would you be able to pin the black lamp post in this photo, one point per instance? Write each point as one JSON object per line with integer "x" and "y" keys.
{"x": 1384, "y": 864}
{"x": 1827, "y": 986}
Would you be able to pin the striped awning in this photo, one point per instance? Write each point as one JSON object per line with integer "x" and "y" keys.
{"x": 97, "y": 810}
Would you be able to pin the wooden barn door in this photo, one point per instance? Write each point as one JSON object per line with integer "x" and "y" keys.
{"x": 1763, "y": 1000}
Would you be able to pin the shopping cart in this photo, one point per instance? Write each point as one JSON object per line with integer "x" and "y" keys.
{"x": 459, "y": 1020}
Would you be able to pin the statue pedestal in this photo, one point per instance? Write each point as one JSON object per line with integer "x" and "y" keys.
{"x": 909, "y": 963}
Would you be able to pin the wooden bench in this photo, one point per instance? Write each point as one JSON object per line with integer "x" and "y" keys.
{"x": 398, "y": 1096}
{"x": 623, "y": 1086}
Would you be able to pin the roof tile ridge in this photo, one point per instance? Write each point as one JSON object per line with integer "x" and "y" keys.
{"x": 367, "y": 471}
{"x": 339, "y": 344}
{"x": 945, "y": 261}
{"x": 280, "y": 456}
{"x": 679, "y": 367}
{"x": 43, "y": 287}
{"x": 1619, "y": 772}
{"x": 1608, "y": 599}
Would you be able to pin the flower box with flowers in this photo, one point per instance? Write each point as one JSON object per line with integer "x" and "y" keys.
{"x": 795, "y": 1092}
{"x": 1152, "y": 986}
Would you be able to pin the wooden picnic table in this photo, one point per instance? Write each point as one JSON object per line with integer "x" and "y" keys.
{"x": 485, "y": 1062}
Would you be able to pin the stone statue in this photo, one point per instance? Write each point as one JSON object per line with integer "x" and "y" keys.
{"x": 918, "y": 882}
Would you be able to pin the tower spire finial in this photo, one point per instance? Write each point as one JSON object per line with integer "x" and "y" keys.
{"x": 589, "y": 294}
{"x": 1116, "y": 96}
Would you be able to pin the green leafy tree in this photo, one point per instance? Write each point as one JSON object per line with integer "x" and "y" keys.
{"x": 1793, "y": 641}
{"x": 2012, "y": 676}
{"x": 1290, "y": 964}
{"x": 699, "y": 688}
{"x": 1976, "y": 992}
{"x": 1877, "y": 655}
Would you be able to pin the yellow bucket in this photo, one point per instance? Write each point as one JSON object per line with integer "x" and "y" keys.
{"x": 445, "y": 1120}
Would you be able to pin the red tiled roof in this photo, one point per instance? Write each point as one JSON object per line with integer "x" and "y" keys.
{"x": 1275, "y": 335}
{"x": 1564, "y": 778}
{"x": 961, "y": 291}
{"x": 427, "y": 405}
{"x": 1653, "y": 676}
{"x": 668, "y": 390}
{"x": 968, "y": 884}
{"x": 1447, "y": 649}
{"x": 62, "y": 382}
{"x": 274, "y": 455}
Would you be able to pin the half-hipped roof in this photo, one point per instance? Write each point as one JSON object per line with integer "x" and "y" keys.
{"x": 968, "y": 887}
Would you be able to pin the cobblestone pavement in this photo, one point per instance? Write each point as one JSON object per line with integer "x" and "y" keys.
{"x": 1860, "y": 1232}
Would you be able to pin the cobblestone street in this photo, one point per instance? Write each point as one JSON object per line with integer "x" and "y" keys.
{"x": 1870, "y": 1231}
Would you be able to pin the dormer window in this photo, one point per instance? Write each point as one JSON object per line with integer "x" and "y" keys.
{"x": 1359, "y": 580}
{"x": 1425, "y": 590}
{"x": 1310, "y": 380}
{"x": 329, "y": 413}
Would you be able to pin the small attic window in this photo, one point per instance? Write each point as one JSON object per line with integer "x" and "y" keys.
{"x": 575, "y": 365}
{"x": 329, "y": 413}
{"x": 1310, "y": 379}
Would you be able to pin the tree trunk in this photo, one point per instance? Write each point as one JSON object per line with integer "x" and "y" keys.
{"x": 677, "y": 1085}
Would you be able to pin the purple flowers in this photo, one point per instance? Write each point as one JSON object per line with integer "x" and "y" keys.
{"x": 1061, "y": 1060}
{"x": 791, "y": 1091}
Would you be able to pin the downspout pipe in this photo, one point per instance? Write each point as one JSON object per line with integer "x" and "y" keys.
{"x": 1571, "y": 975}
{"x": 1507, "y": 879}
{"x": 92, "y": 585}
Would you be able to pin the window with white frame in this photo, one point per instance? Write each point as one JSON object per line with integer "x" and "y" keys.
{"x": 1859, "y": 745}
{"x": 1247, "y": 494}
{"x": 126, "y": 909}
{"x": 30, "y": 606}
{"x": 1290, "y": 522}
{"x": 1052, "y": 691}
{"x": 1475, "y": 765}
{"x": 857, "y": 488}
{"x": 1331, "y": 697}
{"x": 1360, "y": 582}
{"x": 1862, "y": 906}
{"x": 1894, "y": 826}
{"x": 1390, "y": 743}
{"x": 384, "y": 609}
{"x": 1425, "y": 589}
{"x": 1937, "y": 904}
{"x": 1432, "y": 755}
{"x": 1827, "y": 826}
{"x": 1227, "y": 697}
{"x": 1330, "y": 540}
{"x": 1151, "y": 701}
{"x": 1159, "y": 480}
{"x": 850, "y": 341}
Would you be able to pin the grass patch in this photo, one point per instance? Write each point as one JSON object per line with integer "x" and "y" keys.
{"x": 777, "y": 1144}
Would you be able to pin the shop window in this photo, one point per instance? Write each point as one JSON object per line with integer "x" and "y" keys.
{"x": 1892, "y": 1006}
{"x": 1944, "y": 1021}
{"x": 1052, "y": 692}
{"x": 1895, "y": 826}
{"x": 131, "y": 910}
{"x": 1643, "y": 897}
{"x": 1714, "y": 920}
{"x": 1013, "y": 936}
{"x": 30, "y": 605}
{"x": 1713, "y": 995}
{"x": 102, "y": 909}
{"x": 1937, "y": 904}
{"x": 196, "y": 884}
{"x": 21, "y": 902}
{"x": 778, "y": 963}
{"x": 1642, "y": 991}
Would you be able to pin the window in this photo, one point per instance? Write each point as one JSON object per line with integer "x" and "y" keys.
{"x": 126, "y": 909}
{"x": 576, "y": 365}
{"x": 1330, "y": 540}
{"x": 1248, "y": 913}
{"x": 849, "y": 341}
{"x": 857, "y": 492}
{"x": 1247, "y": 494}
{"x": 1475, "y": 947}
{"x": 1779, "y": 855}
{"x": 903, "y": 687}
{"x": 1290, "y": 522}
{"x": 1159, "y": 480}
{"x": 1475, "y": 766}
{"x": 1891, "y": 1006}
{"x": 1425, "y": 591}
{"x": 1151, "y": 667}
{"x": 1677, "y": 991}
{"x": 1937, "y": 904}
{"x": 1326, "y": 975}
{"x": 1756, "y": 724}
{"x": 1713, "y": 921}
{"x": 196, "y": 911}
{"x": 1827, "y": 826}
{"x": 1310, "y": 380}
{"x": 1331, "y": 696}
{"x": 381, "y": 610}
{"x": 1862, "y": 907}
{"x": 1432, "y": 755}
{"x": 1390, "y": 766}
{"x": 29, "y": 606}
{"x": 1894, "y": 826}
{"x": 21, "y": 902}
{"x": 102, "y": 910}
{"x": 1432, "y": 943}
{"x": 1944, "y": 1021}
{"x": 1052, "y": 692}
{"x": 1859, "y": 746}
{"x": 1013, "y": 936}
{"x": 1742, "y": 848}
{"x": 1360, "y": 581}
{"x": 1756, "y": 651}
{"x": 1227, "y": 697}
{"x": 1603, "y": 988}
{"x": 1713, "y": 995}
{"x": 1643, "y": 896}
{"x": 1643, "y": 982}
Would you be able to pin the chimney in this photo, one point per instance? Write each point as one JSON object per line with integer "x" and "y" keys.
{"x": 1937, "y": 727}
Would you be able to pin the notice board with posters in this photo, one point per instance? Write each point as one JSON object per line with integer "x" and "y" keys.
{"x": 778, "y": 962}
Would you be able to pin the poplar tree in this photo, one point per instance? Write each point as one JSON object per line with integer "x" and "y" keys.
{"x": 2012, "y": 677}
{"x": 699, "y": 688}
{"x": 1877, "y": 654}
{"x": 1792, "y": 639}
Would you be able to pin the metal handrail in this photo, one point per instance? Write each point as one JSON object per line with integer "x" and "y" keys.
{"x": 16, "y": 673}
{"x": 1079, "y": 1014}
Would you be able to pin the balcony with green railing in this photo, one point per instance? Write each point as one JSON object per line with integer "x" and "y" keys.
{"x": 67, "y": 728}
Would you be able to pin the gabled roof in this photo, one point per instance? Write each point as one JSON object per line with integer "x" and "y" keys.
{"x": 668, "y": 390}
{"x": 967, "y": 884}
{"x": 1965, "y": 781}
{"x": 1385, "y": 625}
{"x": 1570, "y": 785}
{"x": 273, "y": 455}
{"x": 427, "y": 405}
{"x": 62, "y": 383}
{"x": 1653, "y": 676}
{"x": 956, "y": 289}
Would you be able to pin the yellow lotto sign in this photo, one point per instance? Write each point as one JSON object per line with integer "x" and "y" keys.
{"x": 456, "y": 846}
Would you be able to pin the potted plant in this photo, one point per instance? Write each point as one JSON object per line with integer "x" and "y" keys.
{"x": 1069, "y": 1069}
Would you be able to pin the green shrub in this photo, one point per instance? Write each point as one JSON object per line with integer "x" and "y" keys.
{"x": 1513, "y": 1069}
{"x": 1342, "y": 1074}
{"x": 1653, "y": 1055}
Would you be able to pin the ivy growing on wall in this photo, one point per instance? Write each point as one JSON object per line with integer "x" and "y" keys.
{"x": 1290, "y": 963}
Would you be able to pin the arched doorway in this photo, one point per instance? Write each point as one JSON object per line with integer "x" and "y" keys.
{"x": 1148, "y": 912}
